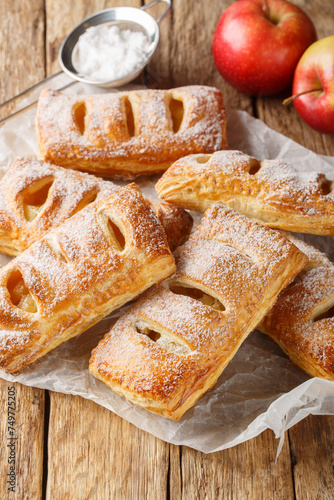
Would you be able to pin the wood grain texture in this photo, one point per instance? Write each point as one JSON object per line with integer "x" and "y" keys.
{"x": 22, "y": 64}
{"x": 247, "y": 471}
{"x": 16, "y": 58}
{"x": 95, "y": 454}
{"x": 174, "y": 487}
{"x": 312, "y": 443}
{"x": 28, "y": 448}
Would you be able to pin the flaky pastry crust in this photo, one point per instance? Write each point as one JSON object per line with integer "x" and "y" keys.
{"x": 271, "y": 192}
{"x": 93, "y": 263}
{"x": 36, "y": 197}
{"x": 126, "y": 134}
{"x": 302, "y": 319}
{"x": 171, "y": 346}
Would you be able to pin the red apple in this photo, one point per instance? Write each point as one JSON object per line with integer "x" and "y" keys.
{"x": 258, "y": 43}
{"x": 314, "y": 78}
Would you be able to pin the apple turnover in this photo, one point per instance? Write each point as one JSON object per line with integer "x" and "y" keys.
{"x": 126, "y": 134}
{"x": 36, "y": 197}
{"x": 302, "y": 319}
{"x": 271, "y": 192}
{"x": 170, "y": 347}
{"x": 93, "y": 263}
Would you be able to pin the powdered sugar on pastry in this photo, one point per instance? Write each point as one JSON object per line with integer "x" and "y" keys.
{"x": 170, "y": 347}
{"x": 302, "y": 319}
{"x": 93, "y": 263}
{"x": 271, "y": 192}
{"x": 126, "y": 134}
{"x": 36, "y": 197}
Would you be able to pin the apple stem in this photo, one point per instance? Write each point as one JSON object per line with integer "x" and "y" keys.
{"x": 266, "y": 9}
{"x": 289, "y": 100}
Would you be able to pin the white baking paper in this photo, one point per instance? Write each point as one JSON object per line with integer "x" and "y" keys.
{"x": 259, "y": 389}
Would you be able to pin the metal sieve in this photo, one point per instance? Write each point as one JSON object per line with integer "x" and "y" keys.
{"x": 125, "y": 18}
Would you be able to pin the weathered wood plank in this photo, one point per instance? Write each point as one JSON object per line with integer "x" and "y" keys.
{"x": 21, "y": 46}
{"x": 175, "y": 474}
{"x": 245, "y": 471}
{"x": 22, "y": 65}
{"x": 96, "y": 454}
{"x": 312, "y": 443}
{"x": 21, "y": 440}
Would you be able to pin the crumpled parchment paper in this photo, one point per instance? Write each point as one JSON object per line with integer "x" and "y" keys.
{"x": 259, "y": 389}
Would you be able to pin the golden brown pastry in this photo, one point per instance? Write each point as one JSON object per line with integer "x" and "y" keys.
{"x": 125, "y": 134}
{"x": 302, "y": 319}
{"x": 171, "y": 346}
{"x": 36, "y": 197}
{"x": 176, "y": 222}
{"x": 93, "y": 263}
{"x": 271, "y": 192}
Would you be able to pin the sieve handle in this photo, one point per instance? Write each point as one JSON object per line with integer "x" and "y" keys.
{"x": 164, "y": 14}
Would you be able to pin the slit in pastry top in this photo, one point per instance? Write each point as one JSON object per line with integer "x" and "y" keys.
{"x": 20, "y": 296}
{"x": 126, "y": 134}
{"x": 115, "y": 233}
{"x": 129, "y": 116}
{"x": 176, "y": 109}
{"x": 162, "y": 337}
{"x": 79, "y": 273}
{"x": 36, "y": 197}
{"x": 86, "y": 200}
{"x": 79, "y": 111}
{"x": 181, "y": 288}
{"x": 171, "y": 345}
{"x": 328, "y": 313}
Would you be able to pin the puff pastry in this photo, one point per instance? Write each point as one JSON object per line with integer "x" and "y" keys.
{"x": 171, "y": 346}
{"x": 302, "y": 319}
{"x": 36, "y": 197}
{"x": 271, "y": 192}
{"x": 126, "y": 134}
{"x": 93, "y": 263}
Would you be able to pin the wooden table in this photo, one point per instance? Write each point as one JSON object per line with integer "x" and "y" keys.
{"x": 71, "y": 448}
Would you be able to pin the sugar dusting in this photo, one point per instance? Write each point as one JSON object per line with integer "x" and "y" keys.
{"x": 107, "y": 137}
{"x": 208, "y": 260}
{"x": 69, "y": 193}
{"x": 69, "y": 286}
{"x": 228, "y": 174}
{"x": 295, "y": 320}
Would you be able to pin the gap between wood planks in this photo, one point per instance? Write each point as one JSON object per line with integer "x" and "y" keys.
{"x": 45, "y": 442}
{"x": 293, "y": 464}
